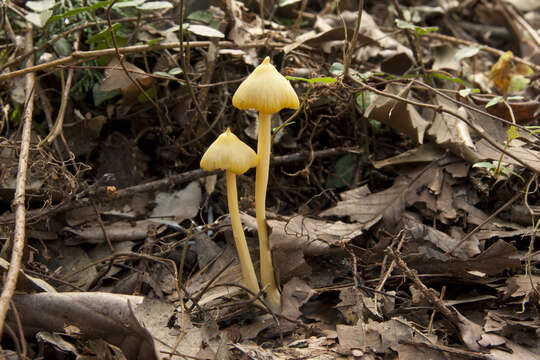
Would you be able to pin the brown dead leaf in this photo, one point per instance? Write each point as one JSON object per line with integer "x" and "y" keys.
{"x": 94, "y": 315}
{"x": 116, "y": 78}
{"x": 399, "y": 115}
{"x": 504, "y": 70}
{"x": 423, "y": 153}
{"x": 445, "y": 58}
{"x": 348, "y": 306}
{"x": 213, "y": 261}
{"x": 118, "y": 231}
{"x": 492, "y": 261}
{"x": 522, "y": 285}
{"x": 178, "y": 205}
{"x": 378, "y": 337}
{"x": 530, "y": 157}
{"x": 244, "y": 30}
{"x": 313, "y": 236}
{"x": 295, "y": 294}
{"x": 350, "y": 338}
{"x": 524, "y": 111}
{"x": 369, "y": 209}
{"x": 425, "y": 236}
{"x": 451, "y": 132}
{"x": 315, "y": 39}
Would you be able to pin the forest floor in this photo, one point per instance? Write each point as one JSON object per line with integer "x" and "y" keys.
{"x": 402, "y": 202}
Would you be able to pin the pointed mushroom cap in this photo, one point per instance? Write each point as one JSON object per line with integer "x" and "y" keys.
{"x": 265, "y": 90}
{"x": 228, "y": 152}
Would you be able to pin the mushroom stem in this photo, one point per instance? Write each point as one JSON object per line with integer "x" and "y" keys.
{"x": 246, "y": 265}
{"x": 261, "y": 182}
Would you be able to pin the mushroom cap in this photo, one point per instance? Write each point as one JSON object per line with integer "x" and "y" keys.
{"x": 228, "y": 152}
{"x": 265, "y": 90}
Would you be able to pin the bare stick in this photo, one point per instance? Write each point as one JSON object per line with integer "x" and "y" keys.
{"x": 77, "y": 55}
{"x": 352, "y": 44}
{"x": 19, "y": 202}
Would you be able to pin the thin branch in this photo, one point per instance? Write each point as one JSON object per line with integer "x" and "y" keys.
{"x": 352, "y": 44}
{"x": 19, "y": 202}
{"x": 441, "y": 109}
{"x": 66, "y": 88}
{"x": 122, "y": 60}
{"x": 77, "y": 55}
{"x": 169, "y": 181}
{"x": 185, "y": 63}
{"x": 66, "y": 33}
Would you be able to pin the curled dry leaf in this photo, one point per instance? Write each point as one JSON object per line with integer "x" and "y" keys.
{"x": 313, "y": 236}
{"x": 88, "y": 315}
{"x": 399, "y": 115}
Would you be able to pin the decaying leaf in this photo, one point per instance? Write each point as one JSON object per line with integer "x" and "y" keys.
{"x": 92, "y": 315}
{"x": 322, "y": 39}
{"x": 451, "y": 132}
{"x": 116, "y": 78}
{"x": 295, "y": 294}
{"x": 504, "y": 70}
{"x": 314, "y": 237}
{"x": 492, "y": 261}
{"x": 400, "y": 116}
{"x": 179, "y": 205}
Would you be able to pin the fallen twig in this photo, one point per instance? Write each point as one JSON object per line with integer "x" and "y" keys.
{"x": 19, "y": 202}
{"x": 166, "y": 182}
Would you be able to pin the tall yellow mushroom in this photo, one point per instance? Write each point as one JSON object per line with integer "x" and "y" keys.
{"x": 229, "y": 153}
{"x": 267, "y": 91}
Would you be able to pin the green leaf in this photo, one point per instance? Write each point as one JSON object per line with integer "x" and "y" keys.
{"x": 419, "y": 30}
{"x": 39, "y": 6}
{"x": 512, "y": 133}
{"x": 485, "y": 165}
{"x": 155, "y": 5}
{"x": 101, "y": 97}
{"x": 344, "y": 171}
{"x": 287, "y": 2}
{"x": 155, "y": 41}
{"x": 39, "y": 19}
{"x": 336, "y": 69}
{"x": 63, "y": 47}
{"x": 104, "y": 35}
{"x": 494, "y": 101}
{"x": 364, "y": 99}
{"x": 533, "y": 129}
{"x": 125, "y": 4}
{"x": 466, "y": 52}
{"x": 444, "y": 76}
{"x": 164, "y": 74}
{"x": 518, "y": 83}
{"x": 175, "y": 71}
{"x": 324, "y": 80}
{"x": 73, "y": 12}
{"x": 151, "y": 93}
{"x": 426, "y": 30}
{"x": 467, "y": 91}
{"x": 203, "y": 16}
{"x": 206, "y": 31}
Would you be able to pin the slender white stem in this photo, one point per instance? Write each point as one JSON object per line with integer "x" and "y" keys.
{"x": 246, "y": 265}
{"x": 261, "y": 182}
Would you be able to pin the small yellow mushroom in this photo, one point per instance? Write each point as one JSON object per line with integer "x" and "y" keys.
{"x": 267, "y": 91}
{"x": 229, "y": 153}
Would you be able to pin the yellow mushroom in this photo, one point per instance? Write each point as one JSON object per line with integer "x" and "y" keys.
{"x": 229, "y": 153}
{"x": 267, "y": 91}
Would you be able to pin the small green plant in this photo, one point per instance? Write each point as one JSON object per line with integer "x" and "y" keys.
{"x": 418, "y": 30}
{"x": 498, "y": 169}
